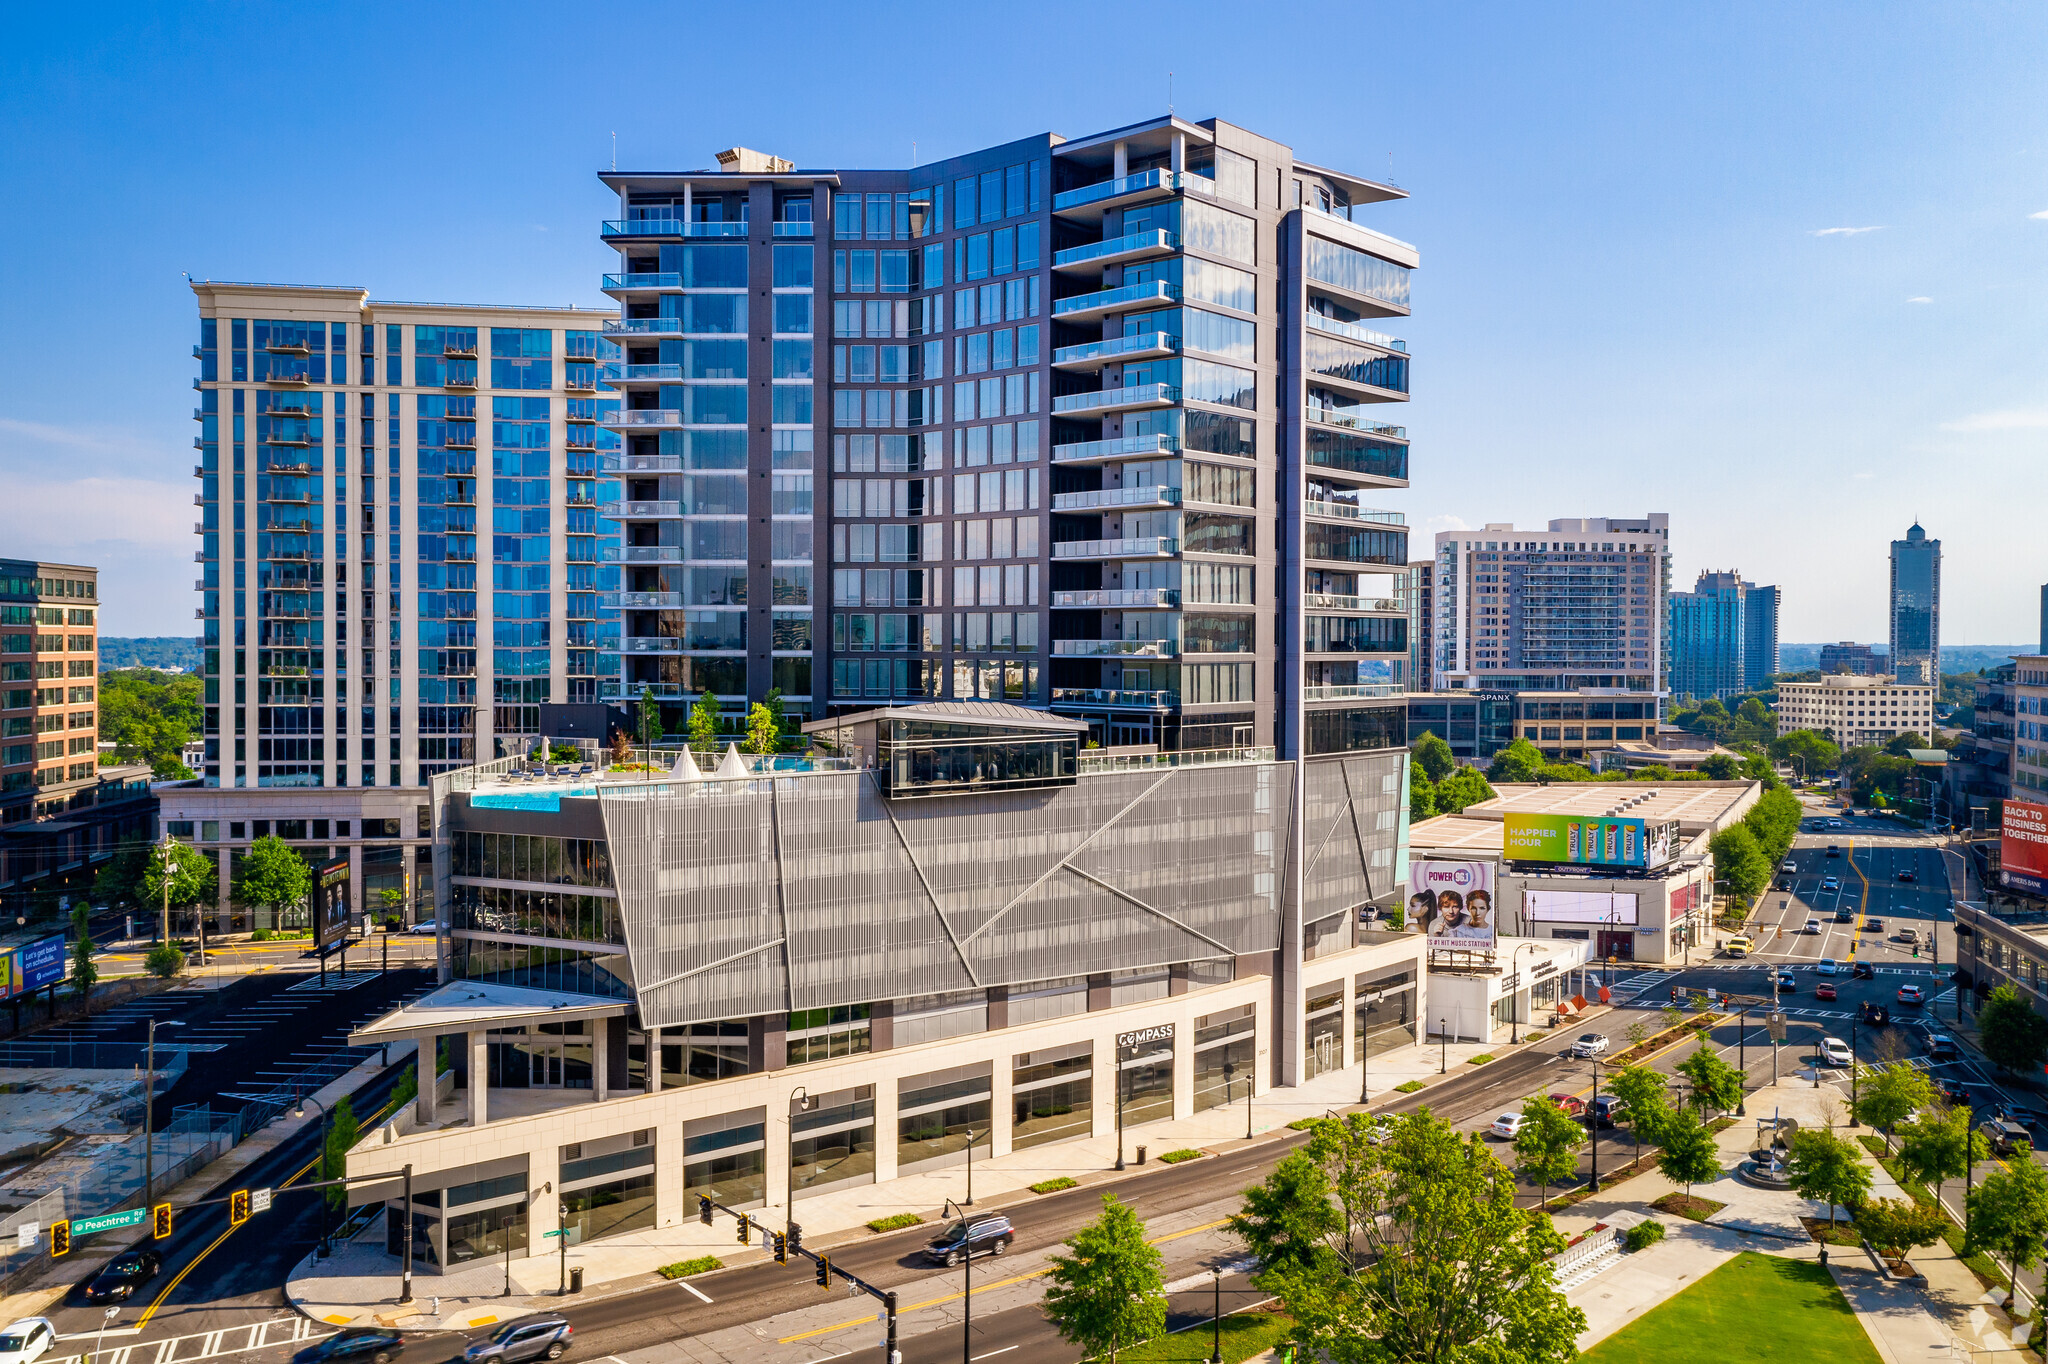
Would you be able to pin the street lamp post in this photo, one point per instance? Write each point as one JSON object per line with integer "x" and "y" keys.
{"x": 966, "y": 1282}
{"x": 1515, "y": 974}
{"x": 1117, "y": 1059}
{"x": 1216, "y": 1322}
{"x": 972, "y": 1137}
{"x": 1593, "y": 1126}
{"x": 149, "y": 1112}
{"x": 1742, "y": 1059}
{"x": 299, "y": 1111}
{"x": 1364, "y": 1054}
{"x": 1443, "y": 1037}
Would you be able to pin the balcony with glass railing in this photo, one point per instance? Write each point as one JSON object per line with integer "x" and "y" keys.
{"x": 1133, "y": 547}
{"x": 616, "y": 462}
{"x": 643, "y": 326}
{"x": 1156, "y": 183}
{"x": 642, "y": 554}
{"x": 1120, "y": 447}
{"x": 639, "y": 511}
{"x": 1335, "y": 601}
{"x": 640, "y": 283}
{"x": 644, "y": 416}
{"x": 1155, "y": 495}
{"x": 612, "y": 689}
{"x": 616, "y": 373}
{"x": 1129, "y": 398}
{"x": 1353, "y": 419}
{"x": 640, "y": 601}
{"x": 792, "y": 228}
{"x": 1117, "y": 598}
{"x": 1351, "y": 511}
{"x": 671, "y": 227}
{"x": 1117, "y": 250}
{"x": 1111, "y": 699}
{"x": 1115, "y": 648}
{"x": 1152, "y": 293}
{"x": 1351, "y": 691}
{"x": 1115, "y": 351}
{"x": 644, "y": 644}
{"x": 1351, "y": 331}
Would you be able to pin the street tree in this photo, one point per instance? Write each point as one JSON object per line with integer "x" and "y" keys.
{"x": 1109, "y": 1294}
{"x": 1896, "y": 1225}
{"x": 1722, "y": 767}
{"x": 649, "y": 720}
{"x": 1689, "y": 1155}
{"x": 343, "y": 1133}
{"x": 1890, "y": 1096}
{"x": 1822, "y": 1165}
{"x": 1433, "y": 755}
{"x": 191, "y": 878}
{"x": 1940, "y": 1145}
{"x": 704, "y": 723}
{"x": 1519, "y": 762}
{"x": 1645, "y": 1103}
{"x": 762, "y": 737}
{"x": 1421, "y": 795}
{"x": 1547, "y": 1147}
{"x": 1466, "y": 786}
{"x": 1740, "y": 862}
{"x": 2009, "y": 1215}
{"x": 1715, "y": 1084}
{"x": 272, "y": 876}
{"x": 164, "y": 961}
{"x": 2013, "y": 1037}
{"x": 84, "y": 971}
{"x": 1809, "y": 751}
{"x": 1306, "y": 1215}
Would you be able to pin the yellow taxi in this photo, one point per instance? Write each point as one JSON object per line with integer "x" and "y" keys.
{"x": 1736, "y": 947}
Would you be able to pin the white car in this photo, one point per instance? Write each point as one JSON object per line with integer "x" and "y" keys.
{"x": 1507, "y": 1126}
{"x": 1835, "y": 1051}
{"x": 27, "y": 1340}
{"x": 1826, "y": 967}
{"x": 1591, "y": 1044}
{"x": 1813, "y": 925}
{"x": 1790, "y": 868}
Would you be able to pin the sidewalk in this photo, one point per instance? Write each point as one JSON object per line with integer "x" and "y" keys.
{"x": 360, "y": 1281}
{"x": 91, "y": 1253}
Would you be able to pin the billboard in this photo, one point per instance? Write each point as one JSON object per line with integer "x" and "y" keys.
{"x": 1578, "y": 907}
{"x": 1610, "y": 841}
{"x": 40, "y": 963}
{"x": 330, "y": 903}
{"x": 1454, "y": 903}
{"x": 2023, "y": 847}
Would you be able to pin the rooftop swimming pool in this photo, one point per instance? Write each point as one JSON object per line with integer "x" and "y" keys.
{"x": 548, "y": 800}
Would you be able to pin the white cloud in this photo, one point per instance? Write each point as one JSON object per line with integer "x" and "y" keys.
{"x": 2012, "y": 419}
{"x": 71, "y": 438}
{"x": 1865, "y": 474}
{"x": 1437, "y": 523}
{"x": 1843, "y": 231}
{"x": 2042, "y": 216}
{"x": 1920, "y": 298}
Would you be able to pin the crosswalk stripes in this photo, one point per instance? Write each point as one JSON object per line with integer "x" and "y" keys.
{"x": 278, "y": 1332}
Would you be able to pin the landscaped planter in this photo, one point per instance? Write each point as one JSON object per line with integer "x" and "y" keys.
{"x": 1898, "y": 1270}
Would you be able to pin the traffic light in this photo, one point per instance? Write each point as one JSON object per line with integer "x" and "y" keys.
{"x": 160, "y": 1221}
{"x": 238, "y": 1207}
{"x": 781, "y": 1247}
{"x": 743, "y": 1231}
{"x": 824, "y": 1271}
{"x": 704, "y": 1211}
{"x": 796, "y": 1238}
{"x": 60, "y": 1239}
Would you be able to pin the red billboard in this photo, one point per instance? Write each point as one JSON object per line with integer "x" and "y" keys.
{"x": 2023, "y": 847}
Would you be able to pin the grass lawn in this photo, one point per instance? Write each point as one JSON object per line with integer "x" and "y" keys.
{"x": 1755, "y": 1307}
{"x": 1244, "y": 1335}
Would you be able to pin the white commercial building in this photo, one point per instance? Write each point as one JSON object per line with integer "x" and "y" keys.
{"x": 1855, "y": 710}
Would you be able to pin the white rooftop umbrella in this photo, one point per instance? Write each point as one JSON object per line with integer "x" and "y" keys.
{"x": 732, "y": 765}
{"x": 686, "y": 767}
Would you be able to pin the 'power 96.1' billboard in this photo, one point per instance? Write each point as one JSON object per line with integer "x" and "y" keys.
{"x": 2023, "y": 847}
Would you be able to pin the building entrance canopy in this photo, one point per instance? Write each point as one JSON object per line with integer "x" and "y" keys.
{"x": 471, "y": 1006}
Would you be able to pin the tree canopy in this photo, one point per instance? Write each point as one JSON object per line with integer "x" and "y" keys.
{"x": 272, "y": 873}
{"x": 1823, "y": 1165}
{"x": 1433, "y": 756}
{"x": 150, "y": 716}
{"x": 1520, "y": 761}
{"x": 1808, "y": 750}
{"x": 2009, "y": 1213}
{"x": 2013, "y": 1036}
{"x": 1109, "y": 1294}
{"x": 1740, "y": 862}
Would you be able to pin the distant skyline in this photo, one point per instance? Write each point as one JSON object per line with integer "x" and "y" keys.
{"x": 1779, "y": 271}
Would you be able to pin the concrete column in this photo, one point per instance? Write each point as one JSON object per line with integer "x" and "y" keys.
{"x": 479, "y": 1077}
{"x": 999, "y": 1100}
{"x": 600, "y": 1059}
{"x": 1120, "y": 160}
{"x": 544, "y": 1199}
{"x": 654, "y": 1070}
{"x": 1180, "y": 152}
{"x": 885, "y": 1130}
{"x": 1184, "y": 1070}
{"x": 424, "y": 1107}
{"x": 776, "y": 1154}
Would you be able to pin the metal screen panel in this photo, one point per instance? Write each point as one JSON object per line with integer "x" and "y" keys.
{"x": 1350, "y": 827}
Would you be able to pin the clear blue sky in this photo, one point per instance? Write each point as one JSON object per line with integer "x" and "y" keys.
{"x": 1632, "y": 298}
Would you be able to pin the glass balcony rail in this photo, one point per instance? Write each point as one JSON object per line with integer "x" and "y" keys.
{"x": 647, "y": 644}
{"x": 1150, "y": 496}
{"x": 643, "y": 326}
{"x": 281, "y": 466}
{"x": 1117, "y": 598}
{"x": 1332, "y": 601}
{"x": 300, "y": 495}
{"x": 1353, "y": 332}
{"x": 459, "y": 440}
{"x": 642, "y": 554}
{"x": 616, "y": 463}
{"x": 1117, "y": 399}
{"x": 200, "y": 499}
{"x": 1094, "y": 764}
{"x": 298, "y": 377}
{"x": 296, "y": 438}
{"x": 1095, "y": 354}
{"x": 611, "y": 689}
{"x": 579, "y": 383}
{"x": 459, "y": 350}
{"x": 1351, "y": 511}
{"x": 200, "y": 556}
{"x": 580, "y": 500}
{"x": 1348, "y": 418}
{"x": 795, "y": 229}
{"x": 1351, "y": 691}
{"x": 1357, "y": 226}
{"x": 459, "y": 381}
{"x": 645, "y": 416}
{"x": 1139, "y": 547}
{"x": 1129, "y": 700}
{"x": 1115, "y": 648}
{"x": 287, "y": 348}
{"x": 638, "y": 511}
{"x": 459, "y": 497}
{"x": 304, "y": 527}
{"x": 291, "y": 409}
{"x": 640, "y": 601}
{"x": 623, "y": 283}
{"x": 671, "y": 227}
{"x": 1144, "y": 182}
{"x": 1129, "y": 297}
{"x": 575, "y": 441}
{"x": 1121, "y": 447}
{"x": 1154, "y": 242}
{"x": 618, "y": 373}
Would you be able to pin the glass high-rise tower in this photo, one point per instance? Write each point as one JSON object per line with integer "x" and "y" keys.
{"x": 1916, "y": 608}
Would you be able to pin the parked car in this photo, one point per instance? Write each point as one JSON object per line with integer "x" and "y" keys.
{"x": 1824, "y": 990}
{"x": 375, "y": 1344}
{"x": 1836, "y": 1052}
{"x": 124, "y": 1274}
{"x": 1571, "y": 1105}
{"x": 1912, "y": 994}
{"x": 1862, "y": 970}
{"x": 1875, "y": 1015}
{"x": 1827, "y": 966}
{"x": 1507, "y": 1126}
{"x": 27, "y": 1340}
{"x": 1589, "y": 1045}
{"x": 1907, "y": 875}
{"x": 544, "y": 1336}
{"x": 1812, "y": 925}
{"x": 1605, "y": 1111}
{"x": 1942, "y": 1047}
{"x": 1786, "y": 983}
{"x": 989, "y": 1235}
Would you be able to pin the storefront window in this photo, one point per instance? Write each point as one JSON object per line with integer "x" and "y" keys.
{"x": 1385, "y": 1005}
{"x": 1145, "y": 1075}
{"x": 832, "y": 1140}
{"x": 1323, "y": 1035}
{"x": 725, "y": 1159}
{"x": 1223, "y": 1056}
{"x": 939, "y": 1112}
{"x": 1052, "y": 1095}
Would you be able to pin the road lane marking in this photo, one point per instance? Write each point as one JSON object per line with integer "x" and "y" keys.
{"x": 993, "y": 1353}
{"x": 826, "y": 1330}
{"x": 693, "y": 1290}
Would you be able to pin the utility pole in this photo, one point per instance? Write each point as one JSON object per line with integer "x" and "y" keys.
{"x": 148, "y": 1126}
{"x": 165, "y": 849}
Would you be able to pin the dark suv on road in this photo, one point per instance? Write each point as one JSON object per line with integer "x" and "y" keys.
{"x": 544, "y": 1336}
{"x": 989, "y": 1235}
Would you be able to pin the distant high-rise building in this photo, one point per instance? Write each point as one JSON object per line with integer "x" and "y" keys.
{"x": 1422, "y": 609}
{"x": 1849, "y": 657}
{"x": 1578, "y": 605}
{"x": 2044, "y": 618}
{"x": 1759, "y": 637}
{"x": 1916, "y": 608}
{"x": 1706, "y": 633}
